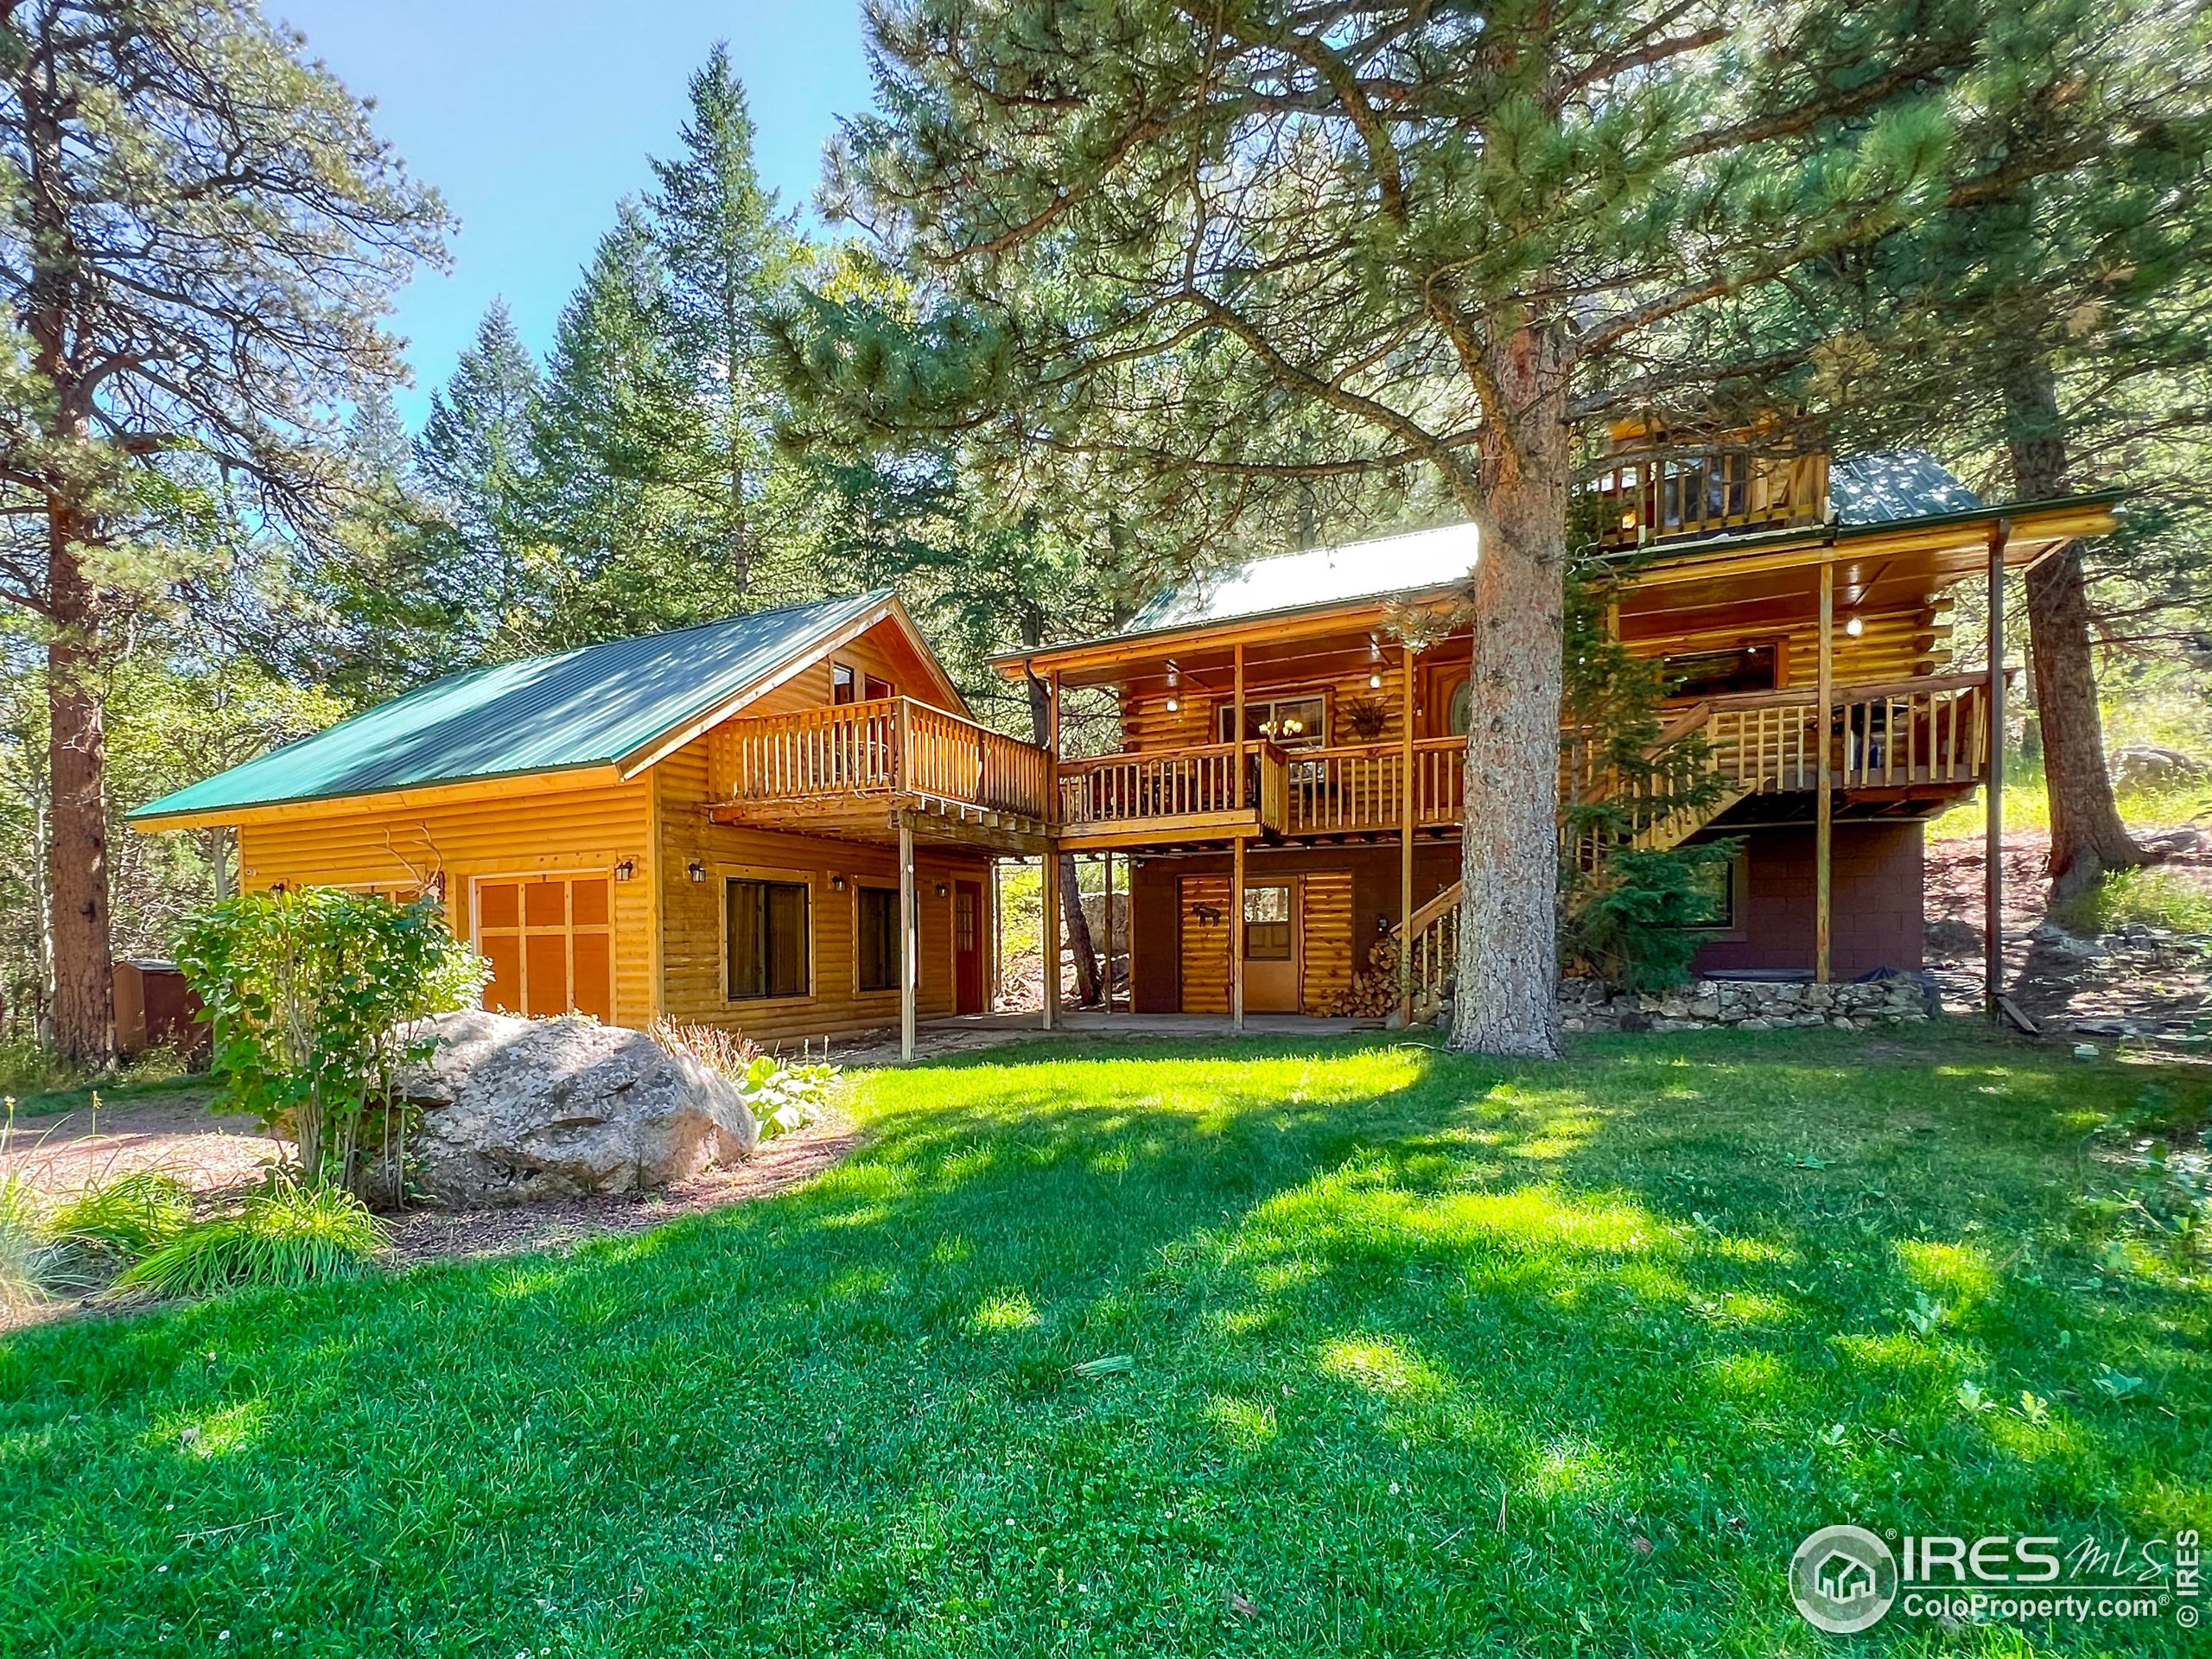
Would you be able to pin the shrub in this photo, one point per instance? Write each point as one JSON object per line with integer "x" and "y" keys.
{"x": 1634, "y": 924}
{"x": 780, "y": 1096}
{"x": 314, "y": 995}
{"x": 284, "y": 1237}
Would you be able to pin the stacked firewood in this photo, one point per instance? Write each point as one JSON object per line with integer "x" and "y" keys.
{"x": 1373, "y": 992}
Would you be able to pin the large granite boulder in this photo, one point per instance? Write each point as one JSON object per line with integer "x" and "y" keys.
{"x": 520, "y": 1110}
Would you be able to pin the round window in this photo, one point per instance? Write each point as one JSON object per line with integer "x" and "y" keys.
{"x": 1461, "y": 709}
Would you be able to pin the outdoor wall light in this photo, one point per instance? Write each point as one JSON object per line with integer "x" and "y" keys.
{"x": 626, "y": 869}
{"x": 1374, "y": 682}
{"x": 1172, "y": 705}
{"x": 696, "y": 870}
{"x": 942, "y": 891}
{"x": 836, "y": 884}
{"x": 1854, "y": 627}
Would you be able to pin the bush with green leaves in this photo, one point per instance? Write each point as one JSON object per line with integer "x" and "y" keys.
{"x": 314, "y": 997}
{"x": 782, "y": 1096}
{"x": 285, "y": 1236}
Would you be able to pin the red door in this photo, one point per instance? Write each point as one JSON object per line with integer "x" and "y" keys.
{"x": 966, "y": 947}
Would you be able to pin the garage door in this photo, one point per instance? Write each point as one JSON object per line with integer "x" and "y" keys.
{"x": 551, "y": 941}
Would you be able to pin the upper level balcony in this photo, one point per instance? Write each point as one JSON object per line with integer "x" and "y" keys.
{"x": 1654, "y": 492}
{"x": 851, "y": 768}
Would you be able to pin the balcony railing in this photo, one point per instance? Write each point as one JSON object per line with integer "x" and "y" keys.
{"x": 1906, "y": 732}
{"x": 1334, "y": 790}
{"x": 1118, "y": 791}
{"x": 892, "y": 747}
{"x": 1656, "y": 495}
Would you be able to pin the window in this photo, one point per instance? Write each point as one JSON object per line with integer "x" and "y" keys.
{"x": 876, "y": 945}
{"x": 1716, "y": 673}
{"x": 1459, "y": 707}
{"x": 877, "y": 690}
{"x": 1713, "y": 884}
{"x": 1293, "y": 722}
{"x": 840, "y": 683}
{"x": 1267, "y": 923}
{"x": 767, "y": 939}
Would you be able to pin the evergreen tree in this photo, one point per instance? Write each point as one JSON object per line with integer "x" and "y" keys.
{"x": 614, "y": 412}
{"x": 2050, "y": 321}
{"x": 475, "y": 469}
{"x": 728, "y": 253}
{"x": 199, "y": 232}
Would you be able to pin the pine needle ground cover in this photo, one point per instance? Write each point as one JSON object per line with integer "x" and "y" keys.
{"x": 1269, "y": 1349}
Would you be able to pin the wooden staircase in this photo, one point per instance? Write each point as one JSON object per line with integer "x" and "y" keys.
{"x": 1432, "y": 958}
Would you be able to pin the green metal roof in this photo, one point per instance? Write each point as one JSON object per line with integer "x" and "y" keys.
{"x": 583, "y": 707}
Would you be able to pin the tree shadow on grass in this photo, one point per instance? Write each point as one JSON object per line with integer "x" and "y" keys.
{"x": 1671, "y": 1305}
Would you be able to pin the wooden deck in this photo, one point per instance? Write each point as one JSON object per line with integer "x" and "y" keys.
{"x": 857, "y": 770}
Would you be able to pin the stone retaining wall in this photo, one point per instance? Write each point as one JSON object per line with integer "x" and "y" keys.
{"x": 1748, "y": 1005}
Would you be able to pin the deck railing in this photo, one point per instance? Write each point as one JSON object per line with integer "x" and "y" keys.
{"x": 1334, "y": 791}
{"x": 1111, "y": 791}
{"x": 891, "y": 746}
{"x": 1647, "y": 496}
{"x": 1895, "y": 735}
{"x": 1906, "y": 732}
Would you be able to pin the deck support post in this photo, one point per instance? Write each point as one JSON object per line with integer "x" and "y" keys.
{"x": 1106, "y": 988}
{"x": 1406, "y": 844}
{"x": 1236, "y": 864}
{"x": 1992, "y": 890}
{"x": 1823, "y": 796}
{"x": 1048, "y": 934}
{"x": 909, "y": 946}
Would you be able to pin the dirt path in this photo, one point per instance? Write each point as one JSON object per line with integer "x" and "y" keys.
{"x": 2141, "y": 982}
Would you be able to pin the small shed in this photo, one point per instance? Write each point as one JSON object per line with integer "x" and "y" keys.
{"x": 155, "y": 1005}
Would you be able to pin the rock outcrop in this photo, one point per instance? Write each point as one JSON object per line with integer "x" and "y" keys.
{"x": 515, "y": 1110}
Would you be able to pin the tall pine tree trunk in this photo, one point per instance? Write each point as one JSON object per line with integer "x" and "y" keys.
{"x": 2087, "y": 836}
{"x": 76, "y": 881}
{"x": 1506, "y": 998}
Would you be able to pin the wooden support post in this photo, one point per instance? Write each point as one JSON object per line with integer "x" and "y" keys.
{"x": 1824, "y": 797}
{"x": 1106, "y": 991}
{"x": 1236, "y": 865}
{"x": 910, "y": 955}
{"x": 998, "y": 943}
{"x": 1992, "y": 888}
{"x": 1237, "y": 936}
{"x": 1049, "y": 935}
{"x": 1406, "y": 847}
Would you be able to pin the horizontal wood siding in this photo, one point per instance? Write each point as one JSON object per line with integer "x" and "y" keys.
{"x": 1203, "y": 943}
{"x": 691, "y": 946}
{"x": 586, "y": 831}
{"x": 1325, "y": 936}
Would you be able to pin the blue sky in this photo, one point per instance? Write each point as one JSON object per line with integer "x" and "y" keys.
{"x": 533, "y": 119}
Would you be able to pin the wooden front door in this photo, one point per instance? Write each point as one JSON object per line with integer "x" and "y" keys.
{"x": 551, "y": 941}
{"x": 1270, "y": 940}
{"x": 967, "y": 977}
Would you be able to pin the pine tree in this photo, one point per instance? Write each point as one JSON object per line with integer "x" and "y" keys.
{"x": 727, "y": 252}
{"x": 199, "y": 234}
{"x": 475, "y": 469}
{"x": 2047, "y": 320}
{"x": 609, "y": 500}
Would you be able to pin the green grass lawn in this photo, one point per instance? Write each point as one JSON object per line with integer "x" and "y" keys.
{"x": 1430, "y": 1356}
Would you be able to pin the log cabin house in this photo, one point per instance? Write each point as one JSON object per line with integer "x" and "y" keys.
{"x": 790, "y": 822}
